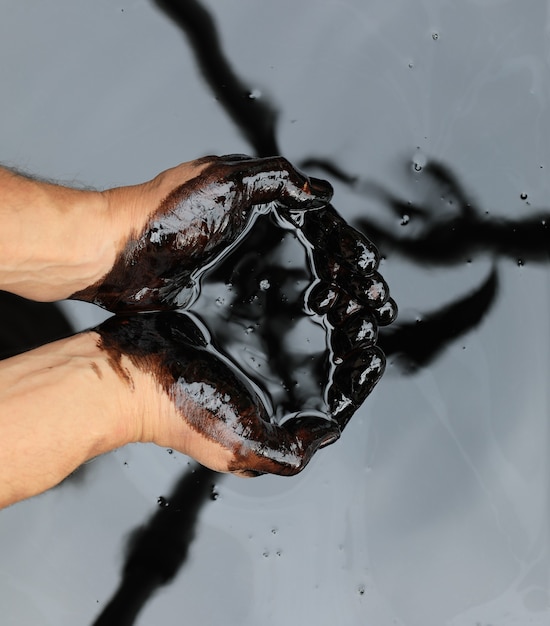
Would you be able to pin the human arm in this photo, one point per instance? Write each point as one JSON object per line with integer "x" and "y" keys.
{"x": 60, "y": 405}
{"x": 145, "y": 378}
{"x": 111, "y": 247}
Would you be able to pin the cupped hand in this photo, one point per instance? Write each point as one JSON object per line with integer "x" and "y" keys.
{"x": 188, "y": 217}
{"x": 196, "y": 401}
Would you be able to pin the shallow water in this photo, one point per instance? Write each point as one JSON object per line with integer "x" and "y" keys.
{"x": 433, "y": 507}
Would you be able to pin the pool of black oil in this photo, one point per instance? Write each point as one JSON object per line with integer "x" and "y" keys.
{"x": 253, "y": 304}
{"x": 430, "y": 120}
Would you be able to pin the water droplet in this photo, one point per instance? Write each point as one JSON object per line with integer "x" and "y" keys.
{"x": 220, "y": 301}
{"x": 411, "y": 65}
{"x": 265, "y": 554}
{"x": 405, "y": 219}
{"x": 361, "y": 590}
{"x": 161, "y": 501}
{"x": 279, "y": 552}
{"x": 249, "y": 329}
{"x": 435, "y": 36}
{"x": 170, "y": 451}
{"x": 255, "y": 94}
{"x": 521, "y": 262}
{"x": 523, "y": 196}
{"x": 264, "y": 284}
{"x": 214, "y": 495}
{"x": 274, "y": 531}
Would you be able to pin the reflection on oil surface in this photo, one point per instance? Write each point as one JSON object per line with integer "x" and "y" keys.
{"x": 433, "y": 508}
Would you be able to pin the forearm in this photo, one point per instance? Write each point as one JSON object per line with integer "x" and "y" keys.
{"x": 60, "y": 405}
{"x": 54, "y": 240}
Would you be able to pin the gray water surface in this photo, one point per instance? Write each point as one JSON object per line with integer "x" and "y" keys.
{"x": 433, "y": 508}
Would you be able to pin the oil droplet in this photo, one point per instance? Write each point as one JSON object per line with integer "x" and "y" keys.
{"x": 161, "y": 501}
{"x": 523, "y": 196}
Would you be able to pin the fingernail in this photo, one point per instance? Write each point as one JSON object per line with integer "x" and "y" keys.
{"x": 322, "y": 189}
{"x": 328, "y": 438}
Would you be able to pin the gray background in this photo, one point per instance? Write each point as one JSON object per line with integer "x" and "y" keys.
{"x": 433, "y": 509}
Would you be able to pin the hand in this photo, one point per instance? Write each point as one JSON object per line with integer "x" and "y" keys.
{"x": 195, "y": 401}
{"x": 185, "y": 219}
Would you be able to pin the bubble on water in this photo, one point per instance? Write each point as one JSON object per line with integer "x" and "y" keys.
{"x": 264, "y": 284}
{"x": 162, "y": 501}
{"x": 523, "y": 196}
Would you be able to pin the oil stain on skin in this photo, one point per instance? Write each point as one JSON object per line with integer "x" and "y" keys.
{"x": 196, "y": 223}
{"x": 216, "y": 398}
{"x": 210, "y": 395}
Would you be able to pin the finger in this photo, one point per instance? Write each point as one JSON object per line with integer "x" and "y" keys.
{"x": 285, "y": 450}
{"x": 357, "y": 331}
{"x": 274, "y": 179}
{"x": 371, "y": 290}
{"x": 345, "y": 243}
{"x": 321, "y": 297}
{"x": 352, "y": 381}
{"x": 354, "y": 248}
{"x": 387, "y": 313}
{"x": 327, "y": 229}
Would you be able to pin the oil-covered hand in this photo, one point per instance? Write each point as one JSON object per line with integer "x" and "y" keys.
{"x": 186, "y": 218}
{"x": 352, "y": 300}
{"x": 196, "y": 401}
